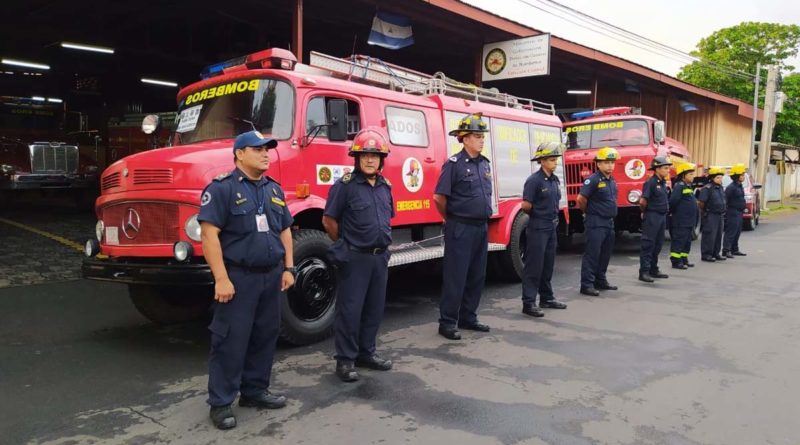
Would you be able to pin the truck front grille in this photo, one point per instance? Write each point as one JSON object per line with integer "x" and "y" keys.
{"x": 54, "y": 158}
{"x": 576, "y": 174}
{"x": 143, "y": 222}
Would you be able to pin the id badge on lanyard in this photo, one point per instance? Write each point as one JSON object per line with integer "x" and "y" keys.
{"x": 261, "y": 223}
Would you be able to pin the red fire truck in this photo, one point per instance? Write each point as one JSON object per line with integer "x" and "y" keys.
{"x": 38, "y": 153}
{"x": 637, "y": 138}
{"x": 147, "y": 229}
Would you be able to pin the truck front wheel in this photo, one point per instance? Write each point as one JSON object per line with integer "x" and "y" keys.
{"x": 175, "y": 304}
{"x": 309, "y": 307}
{"x": 509, "y": 263}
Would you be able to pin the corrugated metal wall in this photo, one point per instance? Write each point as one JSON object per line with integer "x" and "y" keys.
{"x": 696, "y": 129}
{"x": 733, "y": 136}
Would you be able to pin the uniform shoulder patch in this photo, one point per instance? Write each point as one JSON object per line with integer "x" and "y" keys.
{"x": 453, "y": 159}
{"x": 347, "y": 178}
{"x": 222, "y": 176}
{"x": 587, "y": 182}
{"x": 386, "y": 180}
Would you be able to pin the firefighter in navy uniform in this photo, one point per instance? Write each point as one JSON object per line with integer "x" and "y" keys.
{"x": 654, "y": 203}
{"x": 247, "y": 243}
{"x": 463, "y": 198}
{"x": 598, "y": 201}
{"x": 357, "y": 218}
{"x": 540, "y": 199}
{"x": 734, "y": 199}
{"x": 712, "y": 204}
{"x": 683, "y": 211}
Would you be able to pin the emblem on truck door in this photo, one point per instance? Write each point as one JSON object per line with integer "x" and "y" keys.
{"x": 131, "y": 223}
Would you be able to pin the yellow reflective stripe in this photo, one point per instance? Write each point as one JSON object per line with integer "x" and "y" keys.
{"x": 687, "y": 191}
{"x": 675, "y": 255}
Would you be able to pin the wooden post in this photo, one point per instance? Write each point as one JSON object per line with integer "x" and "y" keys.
{"x": 297, "y": 30}
{"x": 478, "y": 67}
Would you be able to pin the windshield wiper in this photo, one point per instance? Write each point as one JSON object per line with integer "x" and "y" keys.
{"x": 238, "y": 119}
{"x": 608, "y": 140}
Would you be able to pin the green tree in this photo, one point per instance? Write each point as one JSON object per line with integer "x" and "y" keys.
{"x": 741, "y": 48}
{"x": 787, "y": 127}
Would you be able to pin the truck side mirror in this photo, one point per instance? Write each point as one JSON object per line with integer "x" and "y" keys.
{"x": 757, "y": 186}
{"x": 659, "y": 133}
{"x": 151, "y": 124}
{"x": 337, "y": 120}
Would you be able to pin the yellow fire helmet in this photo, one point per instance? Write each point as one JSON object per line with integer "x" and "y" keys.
{"x": 548, "y": 150}
{"x": 607, "y": 154}
{"x": 685, "y": 167}
{"x": 716, "y": 170}
{"x": 738, "y": 169}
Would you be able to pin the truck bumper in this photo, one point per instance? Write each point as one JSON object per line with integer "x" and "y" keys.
{"x": 129, "y": 271}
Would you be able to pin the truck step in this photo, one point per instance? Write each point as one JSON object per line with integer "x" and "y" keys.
{"x": 415, "y": 252}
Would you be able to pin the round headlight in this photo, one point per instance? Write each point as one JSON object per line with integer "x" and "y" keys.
{"x": 633, "y": 196}
{"x": 192, "y": 228}
{"x": 99, "y": 228}
{"x": 91, "y": 248}
{"x": 182, "y": 250}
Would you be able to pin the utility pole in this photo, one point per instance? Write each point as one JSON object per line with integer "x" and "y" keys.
{"x": 751, "y": 164}
{"x": 765, "y": 145}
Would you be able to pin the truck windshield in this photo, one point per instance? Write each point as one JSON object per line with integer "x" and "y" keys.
{"x": 607, "y": 134}
{"x": 225, "y": 110}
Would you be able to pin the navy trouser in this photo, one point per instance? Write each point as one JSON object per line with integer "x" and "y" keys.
{"x": 244, "y": 332}
{"x": 680, "y": 245}
{"x": 597, "y": 255}
{"x": 733, "y": 228}
{"x": 360, "y": 299}
{"x": 464, "y": 272}
{"x": 653, "y": 227}
{"x": 540, "y": 256}
{"x": 712, "y": 234}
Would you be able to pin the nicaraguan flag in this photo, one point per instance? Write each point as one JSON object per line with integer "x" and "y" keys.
{"x": 390, "y": 31}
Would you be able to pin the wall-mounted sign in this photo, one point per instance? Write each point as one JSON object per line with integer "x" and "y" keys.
{"x": 525, "y": 57}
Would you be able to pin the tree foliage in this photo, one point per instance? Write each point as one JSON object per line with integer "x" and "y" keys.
{"x": 741, "y": 48}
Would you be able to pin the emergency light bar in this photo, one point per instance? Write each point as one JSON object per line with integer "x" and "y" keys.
{"x": 276, "y": 58}
{"x": 601, "y": 112}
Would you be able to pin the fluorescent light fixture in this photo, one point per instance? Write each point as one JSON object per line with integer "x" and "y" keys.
{"x": 15, "y": 62}
{"x": 159, "y": 82}
{"x": 38, "y": 98}
{"x": 82, "y": 47}
{"x": 582, "y": 92}
{"x": 54, "y": 100}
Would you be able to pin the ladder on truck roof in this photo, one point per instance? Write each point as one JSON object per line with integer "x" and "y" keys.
{"x": 377, "y": 72}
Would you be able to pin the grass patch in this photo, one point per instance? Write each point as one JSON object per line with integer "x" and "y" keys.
{"x": 777, "y": 208}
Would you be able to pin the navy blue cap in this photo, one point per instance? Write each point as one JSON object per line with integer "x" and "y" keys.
{"x": 253, "y": 139}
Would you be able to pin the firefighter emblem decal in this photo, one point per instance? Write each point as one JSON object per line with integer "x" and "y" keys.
{"x": 412, "y": 174}
{"x": 635, "y": 169}
{"x": 495, "y": 61}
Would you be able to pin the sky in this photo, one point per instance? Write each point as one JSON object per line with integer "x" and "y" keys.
{"x": 676, "y": 23}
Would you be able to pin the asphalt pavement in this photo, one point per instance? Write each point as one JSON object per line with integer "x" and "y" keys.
{"x": 708, "y": 356}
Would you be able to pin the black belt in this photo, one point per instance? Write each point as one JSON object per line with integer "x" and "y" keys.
{"x": 251, "y": 269}
{"x": 656, "y": 212}
{"x": 368, "y": 250}
{"x": 470, "y": 221}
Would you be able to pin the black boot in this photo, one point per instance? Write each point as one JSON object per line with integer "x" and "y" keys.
{"x": 532, "y": 310}
{"x": 687, "y": 263}
{"x": 222, "y": 417}
{"x": 346, "y": 371}
{"x": 679, "y": 265}
{"x": 644, "y": 276}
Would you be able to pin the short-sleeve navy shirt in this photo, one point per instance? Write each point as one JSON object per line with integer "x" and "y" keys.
{"x": 467, "y": 183}
{"x": 231, "y": 203}
{"x": 713, "y": 197}
{"x": 734, "y": 196}
{"x": 601, "y": 195}
{"x": 362, "y": 210}
{"x": 683, "y": 205}
{"x": 544, "y": 194}
{"x": 656, "y": 194}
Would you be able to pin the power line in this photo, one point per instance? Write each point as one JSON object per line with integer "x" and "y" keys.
{"x": 630, "y": 38}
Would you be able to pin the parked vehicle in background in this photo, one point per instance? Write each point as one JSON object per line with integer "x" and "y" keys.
{"x": 147, "y": 214}
{"x": 752, "y": 210}
{"x": 637, "y": 138}
{"x": 36, "y": 151}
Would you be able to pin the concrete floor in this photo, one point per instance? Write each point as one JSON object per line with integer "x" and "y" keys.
{"x": 708, "y": 356}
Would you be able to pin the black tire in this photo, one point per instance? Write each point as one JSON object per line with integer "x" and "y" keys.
{"x": 309, "y": 308}
{"x": 510, "y": 262}
{"x": 167, "y": 305}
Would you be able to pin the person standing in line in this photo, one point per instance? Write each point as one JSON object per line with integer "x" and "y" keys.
{"x": 463, "y": 198}
{"x": 683, "y": 211}
{"x": 712, "y": 204}
{"x": 247, "y": 243}
{"x": 357, "y": 218}
{"x": 734, "y": 199}
{"x": 540, "y": 199}
{"x": 598, "y": 202}
{"x": 654, "y": 204}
